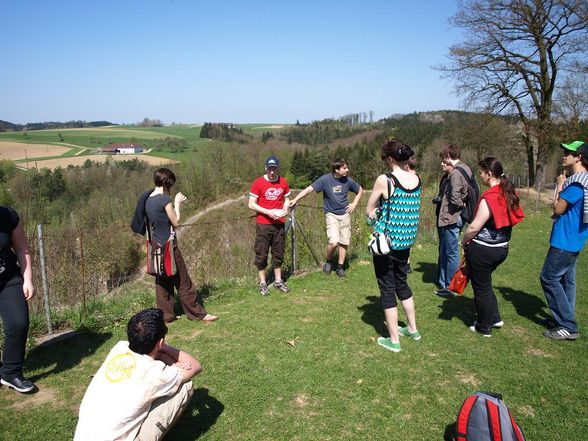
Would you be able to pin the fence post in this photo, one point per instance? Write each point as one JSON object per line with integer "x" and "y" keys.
{"x": 294, "y": 250}
{"x": 538, "y": 192}
{"x": 83, "y": 272}
{"x": 44, "y": 279}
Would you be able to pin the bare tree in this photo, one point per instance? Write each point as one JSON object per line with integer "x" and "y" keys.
{"x": 513, "y": 53}
{"x": 571, "y": 102}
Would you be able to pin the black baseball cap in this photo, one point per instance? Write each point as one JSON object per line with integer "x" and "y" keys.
{"x": 272, "y": 161}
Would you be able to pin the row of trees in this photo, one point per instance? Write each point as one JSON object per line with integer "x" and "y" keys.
{"x": 222, "y": 132}
{"x": 514, "y": 57}
{"x": 147, "y": 122}
{"x": 355, "y": 119}
{"x": 6, "y": 126}
{"x": 322, "y": 132}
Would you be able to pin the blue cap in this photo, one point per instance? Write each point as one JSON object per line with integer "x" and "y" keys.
{"x": 272, "y": 161}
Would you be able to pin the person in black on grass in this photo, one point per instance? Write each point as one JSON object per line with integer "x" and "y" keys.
{"x": 16, "y": 289}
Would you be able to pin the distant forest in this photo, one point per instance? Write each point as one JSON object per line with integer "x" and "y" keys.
{"x": 6, "y": 126}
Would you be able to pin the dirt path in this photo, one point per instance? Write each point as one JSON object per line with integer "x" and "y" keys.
{"x": 198, "y": 215}
{"x": 546, "y": 196}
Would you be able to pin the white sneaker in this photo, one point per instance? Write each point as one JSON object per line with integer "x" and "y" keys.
{"x": 498, "y": 325}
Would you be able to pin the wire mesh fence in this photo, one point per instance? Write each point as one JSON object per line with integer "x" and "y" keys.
{"x": 80, "y": 263}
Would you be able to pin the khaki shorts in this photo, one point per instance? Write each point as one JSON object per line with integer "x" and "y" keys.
{"x": 338, "y": 228}
{"x": 164, "y": 413}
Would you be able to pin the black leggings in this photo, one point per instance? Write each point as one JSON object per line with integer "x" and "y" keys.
{"x": 391, "y": 271}
{"x": 14, "y": 311}
{"x": 481, "y": 262}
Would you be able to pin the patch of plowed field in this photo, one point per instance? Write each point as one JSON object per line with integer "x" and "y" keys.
{"x": 15, "y": 151}
{"x": 79, "y": 160}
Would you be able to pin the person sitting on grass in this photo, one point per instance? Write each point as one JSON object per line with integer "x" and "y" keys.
{"x": 142, "y": 387}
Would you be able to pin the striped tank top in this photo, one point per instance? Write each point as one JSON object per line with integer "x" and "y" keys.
{"x": 399, "y": 215}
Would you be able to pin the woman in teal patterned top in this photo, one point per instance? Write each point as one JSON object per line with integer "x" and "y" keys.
{"x": 399, "y": 218}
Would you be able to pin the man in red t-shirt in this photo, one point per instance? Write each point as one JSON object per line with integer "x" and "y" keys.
{"x": 269, "y": 197}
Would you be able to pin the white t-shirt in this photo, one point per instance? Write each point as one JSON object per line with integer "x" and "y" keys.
{"x": 120, "y": 395}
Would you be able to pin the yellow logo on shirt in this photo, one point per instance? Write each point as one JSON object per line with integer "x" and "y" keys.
{"x": 120, "y": 367}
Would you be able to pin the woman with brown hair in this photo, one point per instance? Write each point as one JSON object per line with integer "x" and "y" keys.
{"x": 485, "y": 242}
{"x": 396, "y": 196}
{"x": 163, "y": 217}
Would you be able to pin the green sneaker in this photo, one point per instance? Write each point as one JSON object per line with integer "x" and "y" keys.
{"x": 387, "y": 344}
{"x": 403, "y": 330}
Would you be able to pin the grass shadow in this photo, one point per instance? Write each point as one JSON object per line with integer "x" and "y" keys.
{"x": 200, "y": 415}
{"x": 54, "y": 357}
{"x": 373, "y": 314}
{"x": 459, "y": 307}
{"x": 525, "y": 304}
{"x": 428, "y": 270}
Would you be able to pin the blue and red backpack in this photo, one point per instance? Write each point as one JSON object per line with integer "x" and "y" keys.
{"x": 484, "y": 417}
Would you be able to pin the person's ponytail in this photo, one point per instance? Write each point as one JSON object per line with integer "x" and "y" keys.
{"x": 509, "y": 193}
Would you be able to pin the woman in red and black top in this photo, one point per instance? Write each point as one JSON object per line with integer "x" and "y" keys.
{"x": 485, "y": 242}
{"x": 164, "y": 216}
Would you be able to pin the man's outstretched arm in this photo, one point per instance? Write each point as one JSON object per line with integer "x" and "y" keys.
{"x": 300, "y": 195}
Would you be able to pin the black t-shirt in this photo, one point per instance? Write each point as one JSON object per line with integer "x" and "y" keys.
{"x": 158, "y": 219}
{"x": 8, "y": 263}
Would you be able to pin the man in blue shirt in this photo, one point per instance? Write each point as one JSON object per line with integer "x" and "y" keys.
{"x": 335, "y": 187}
{"x": 568, "y": 237}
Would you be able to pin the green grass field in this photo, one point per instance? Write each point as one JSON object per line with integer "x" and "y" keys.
{"x": 306, "y": 366}
{"x": 86, "y": 137}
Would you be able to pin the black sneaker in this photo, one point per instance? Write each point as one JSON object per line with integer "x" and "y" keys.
{"x": 444, "y": 292}
{"x": 281, "y": 286}
{"x": 263, "y": 290}
{"x": 561, "y": 334}
{"x": 340, "y": 272}
{"x": 19, "y": 384}
{"x": 327, "y": 268}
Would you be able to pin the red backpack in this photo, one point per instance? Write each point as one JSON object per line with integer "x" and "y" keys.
{"x": 484, "y": 417}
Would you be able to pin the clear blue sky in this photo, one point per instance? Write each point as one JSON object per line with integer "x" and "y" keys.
{"x": 234, "y": 61}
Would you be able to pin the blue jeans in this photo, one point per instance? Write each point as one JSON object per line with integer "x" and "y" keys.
{"x": 448, "y": 252}
{"x": 558, "y": 279}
